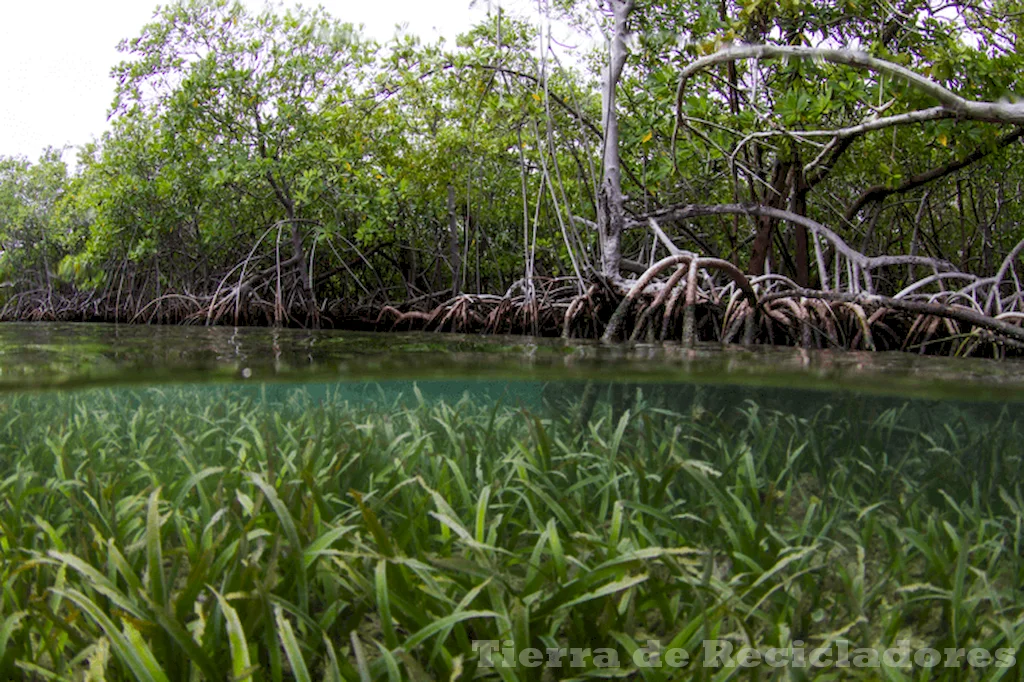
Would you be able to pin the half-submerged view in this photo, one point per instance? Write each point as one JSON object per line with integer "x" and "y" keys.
{"x": 606, "y": 340}
{"x": 210, "y": 504}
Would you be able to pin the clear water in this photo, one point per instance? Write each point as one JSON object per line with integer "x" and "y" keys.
{"x": 571, "y": 495}
{"x": 40, "y": 356}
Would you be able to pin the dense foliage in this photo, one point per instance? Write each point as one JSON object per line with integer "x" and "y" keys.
{"x": 343, "y": 533}
{"x": 278, "y": 167}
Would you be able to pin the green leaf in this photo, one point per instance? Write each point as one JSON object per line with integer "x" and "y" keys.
{"x": 129, "y": 647}
{"x": 291, "y": 647}
{"x": 241, "y": 664}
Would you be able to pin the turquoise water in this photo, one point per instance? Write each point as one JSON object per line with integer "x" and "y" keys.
{"x": 364, "y": 506}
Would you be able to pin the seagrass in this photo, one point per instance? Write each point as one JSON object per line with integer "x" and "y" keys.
{"x": 348, "y": 533}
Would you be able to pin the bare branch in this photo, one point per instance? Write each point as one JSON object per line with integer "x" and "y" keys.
{"x": 664, "y": 239}
{"x": 998, "y": 279}
{"x": 864, "y": 262}
{"x": 996, "y": 112}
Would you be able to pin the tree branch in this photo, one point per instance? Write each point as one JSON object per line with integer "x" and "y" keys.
{"x": 863, "y": 261}
{"x": 880, "y": 192}
{"x": 995, "y": 112}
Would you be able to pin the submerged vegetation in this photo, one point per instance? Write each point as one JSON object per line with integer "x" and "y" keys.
{"x": 343, "y": 532}
{"x": 278, "y": 167}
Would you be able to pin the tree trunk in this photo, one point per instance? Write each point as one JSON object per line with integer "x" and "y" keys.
{"x": 798, "y": 205}
{"x": 453, "y": 241}
{"x": 610, "y": 202}
{"x": 283, "y": 195}
{"x": 777, "y": 198}
{"x": 299, "y": 253}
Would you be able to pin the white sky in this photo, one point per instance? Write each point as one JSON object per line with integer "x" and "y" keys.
{"x": 56, "y": 56}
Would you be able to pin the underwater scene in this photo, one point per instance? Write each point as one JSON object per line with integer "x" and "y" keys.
{"x": 255, "y": 505}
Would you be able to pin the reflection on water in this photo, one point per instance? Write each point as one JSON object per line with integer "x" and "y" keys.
{"x": 45, "y": 354}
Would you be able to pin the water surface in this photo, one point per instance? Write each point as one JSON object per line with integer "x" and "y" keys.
{"x": 41, "y": 355}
